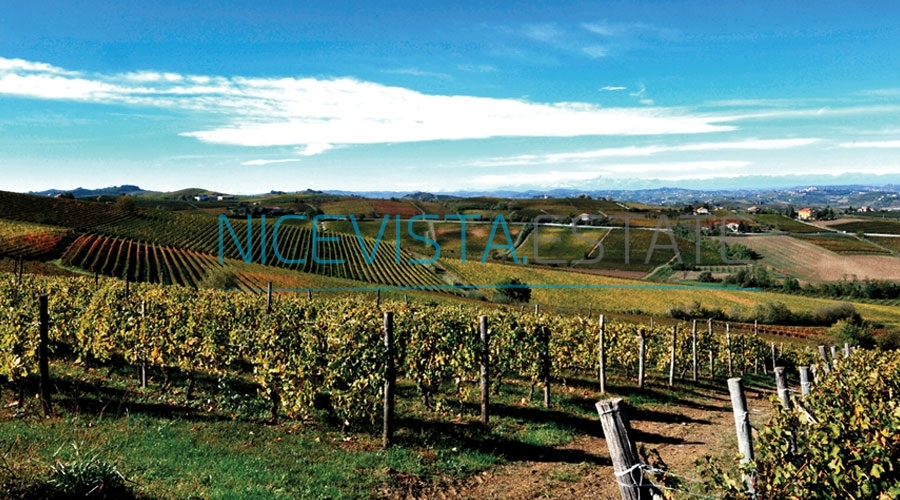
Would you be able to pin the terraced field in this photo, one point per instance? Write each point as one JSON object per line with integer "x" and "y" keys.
{"x": 844, "y": 244}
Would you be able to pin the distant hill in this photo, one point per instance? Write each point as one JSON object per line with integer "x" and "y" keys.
{"x": 87, "y": 193}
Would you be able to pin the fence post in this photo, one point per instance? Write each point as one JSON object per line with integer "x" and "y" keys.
{"x": 774, "y": 361}
{"x": 781, "y": 384}
{"x": 728, "y": 348}
{"x": 712, "y": 366}
{"x": 485, "y": 358}
{"x": 143, "y": 348}
{"x": 641, "y": 350}
{"x": 269, "y": 298}
{"x": 694, "y": 347}
{"x": 390, "y": 376}
{"x": 804, "y": 380}
{"x": 846, "y": 350}
{"x": 43, "y": 361}
{"x": 742, "y": 424}
{"x": 545, "y": 363}
{"x": 824, "y": 358}
{"x": 602, "y": 371}
{"x": 622, "y": 451}
{"x": 672, "y": 358}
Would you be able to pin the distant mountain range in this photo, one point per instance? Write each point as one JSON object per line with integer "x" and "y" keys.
{"x": 886, "y": 196}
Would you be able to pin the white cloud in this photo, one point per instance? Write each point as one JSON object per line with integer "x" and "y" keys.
{"x": 476, "y": 68}
{"x": 870, "y": 144}
{"x": 644, "y": 151}
{"x": 672, "y": 171}
{"x": 269, "y": 162}
{"x": 542, "y": 32}
{"x": 418, "y": 72}
{"x": 610, "y": 88}
{"x": 302, "y": 112}
{"x": 595, "y": 51}
{"x": 314, "y": 149}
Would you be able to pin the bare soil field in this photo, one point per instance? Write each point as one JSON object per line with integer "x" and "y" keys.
{"x": 808, "y": 262}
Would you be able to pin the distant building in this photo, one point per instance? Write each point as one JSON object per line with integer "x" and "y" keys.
{"x": 806, "y": 214}
{"x": 225, "y": 197}
{"x": 201, "y": 197}
{"x": 701, "y": 211}
{"x": 733, "y": 226}
{"x": 753, "y": 210}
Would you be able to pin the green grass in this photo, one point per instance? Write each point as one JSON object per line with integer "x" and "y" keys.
{"x": 843, "y": 244}
{"x": 883, "y": 226}
{"x": 216, "y": 445}
{"x": 782, "y": 223}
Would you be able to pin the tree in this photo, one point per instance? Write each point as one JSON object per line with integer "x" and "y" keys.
{"x": 512, "y": 290}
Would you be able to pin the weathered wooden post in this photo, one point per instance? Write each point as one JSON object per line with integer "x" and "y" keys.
{"x": 804, "y": 380}
{"x": 485, "y": 358}
{"x": 127, "y": 285}
{"x": 545, "y": 363}
{"x": 269, "y": 298}
{"x": 622, "y": 451}
{"x": 143, "y": 347}
{"x": 537, "y": 309}
{"x": 781, "y": 384}
{"x": 742, "y": 424}
{"x": 672, "y": 358}
{"x": 694, "y": 348}
{"x": 43, "y": 361}
{"x": 824, "y": 357}
{"x": 309, "y": 293}
{"x": 602, "y": 370}
{"x": 846, "y": 350}
{"x": 834, "y": 358}
{"x": 728, "y": 348}
{"x": 641, "y": 350}
{"x": 774, "y": 359}
{"x": 378, "y": 298}
{"x": 390, "y": 376}
{"x": 712, "y": 357}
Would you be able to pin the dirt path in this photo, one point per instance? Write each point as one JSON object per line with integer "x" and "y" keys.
{"x": 681, "y": 433}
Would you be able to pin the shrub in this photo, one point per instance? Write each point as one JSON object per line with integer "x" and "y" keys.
{"x": 512, "y": 290}
{"x": 848, "y": 332}
{"x": 86, "y": 478}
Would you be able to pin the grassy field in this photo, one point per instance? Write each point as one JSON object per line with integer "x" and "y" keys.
{"x": 808, "y": 262}
{"x": 782, "y": 223}
{"x": 844, "y": 244}
{"x": 579, "y": 291}
{"x": 884, "y": 226}
{"x": 886, "y": 242}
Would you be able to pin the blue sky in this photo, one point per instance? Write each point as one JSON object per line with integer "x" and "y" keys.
{"x": 247, "y": 97}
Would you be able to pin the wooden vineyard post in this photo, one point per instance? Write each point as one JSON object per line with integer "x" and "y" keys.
{"x": 846, "y": 350}
{"x": 143, "y": 347}
{"x": 545, "y": 363}
{"x": 804, "y": 380}
{"x": 309, "y": 293}
{"x": 824, "y": 358}
{"x": 781, "y": 384}
{"x": 378, "y": 298}
{"x": 127, "y": 285}
{"x": 694, "y": 348}
{"x": 537, "y": 309}
{"x": 742, "y": 424}
{"x": 641, "y": 350}
{"x": 741, "y": 349}
{"x": 622, "y": 451}
{"x": 712, "y": 358}
{"x": 672, "y": 358}
{"x": 269, "y": 298}
{"x": 43, "y": 361}
{"x": 390, "y": 376}
{"x": 834, "y": 358}
{"x": 601, "y": 371}
{"x": 728, "y": 348}
{"x": 774, "y": 359}
{"x": 485, "y": 358}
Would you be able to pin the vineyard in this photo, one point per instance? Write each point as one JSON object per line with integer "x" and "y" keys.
{"x": 304, "y": 349}
{"x": 29, "y": 240}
